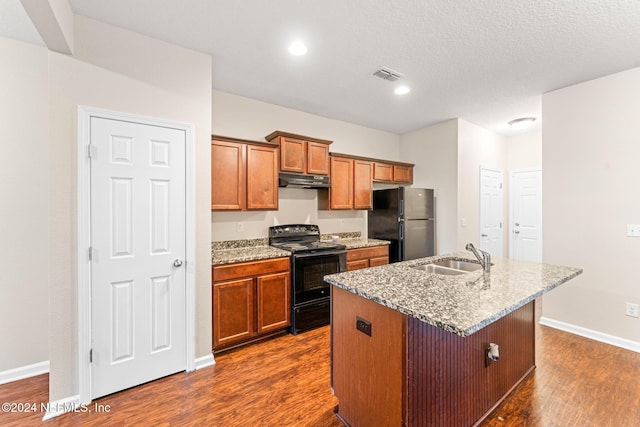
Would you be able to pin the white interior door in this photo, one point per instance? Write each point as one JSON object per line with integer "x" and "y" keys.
{"x": 138, "y": 233}
{"x": 491, "y": 211}
{"x": 526, "y": 215}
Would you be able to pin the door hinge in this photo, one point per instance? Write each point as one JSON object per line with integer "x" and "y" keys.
{"x": 501, "y": 225}
{"x": 92, "y": 151}
{"x": 90, "y": 355}
{"x": 500, "y": 185}
{"x": 90, "y": 253}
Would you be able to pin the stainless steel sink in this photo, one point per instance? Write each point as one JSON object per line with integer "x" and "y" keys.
{"x": 458, "y": 265}
{"x": 450, "y": 267}
{"x": 438, "y": 269}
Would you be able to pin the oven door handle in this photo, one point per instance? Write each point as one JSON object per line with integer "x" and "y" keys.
{"x": 319, "y": 254}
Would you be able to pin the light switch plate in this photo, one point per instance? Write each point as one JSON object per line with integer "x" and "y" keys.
{"x": 632, "y": 310}
{"x": 633, "y": 230}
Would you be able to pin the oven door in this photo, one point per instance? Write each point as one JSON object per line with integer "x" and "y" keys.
{"x": 308, "y": 271}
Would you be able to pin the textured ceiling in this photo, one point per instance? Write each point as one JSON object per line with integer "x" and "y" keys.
{"x": 485, "y": 61}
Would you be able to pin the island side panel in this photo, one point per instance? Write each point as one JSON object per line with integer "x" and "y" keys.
{"x": 368, "y": 371}
{"x": 449, "y": 384}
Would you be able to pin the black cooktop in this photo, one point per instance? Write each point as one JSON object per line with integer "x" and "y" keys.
{"x": 298, "y": 238}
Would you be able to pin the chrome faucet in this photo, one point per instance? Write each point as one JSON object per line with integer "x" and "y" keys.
{"x": 484, "y": 259}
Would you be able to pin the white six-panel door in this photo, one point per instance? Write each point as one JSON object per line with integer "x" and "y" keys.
{"x": 491, "y": 211}
{"x": 138, "y": 253}
{"x": 526, "y": 215}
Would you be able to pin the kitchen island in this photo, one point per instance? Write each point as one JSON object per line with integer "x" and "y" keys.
{"x": 410, "y": 347}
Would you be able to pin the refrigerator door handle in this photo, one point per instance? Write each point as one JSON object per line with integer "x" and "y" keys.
{"x": 400, "y": 219}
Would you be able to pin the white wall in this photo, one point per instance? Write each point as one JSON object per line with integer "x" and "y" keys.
{"x": 590, "y": 153}
{"x": 240, "y": 117}
{"x": 434, "y": 150}
{"x": 123, "y": 71}
{"x": 478, "y": 147}
{"x": 24, "y": 190}
{"x": 524, "y": 151}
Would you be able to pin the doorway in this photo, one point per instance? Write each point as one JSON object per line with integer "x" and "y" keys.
{"x": 491, "y": 211}
{"x": 135, "y": 251}
{"x": 525, "y": 228}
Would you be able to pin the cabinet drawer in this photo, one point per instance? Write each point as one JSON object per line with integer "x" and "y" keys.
{"x": 248, "y": 269}
{"x": 365, "y": 253}
{"x": 357, "y": 264}
{"x": 374, "y": 262}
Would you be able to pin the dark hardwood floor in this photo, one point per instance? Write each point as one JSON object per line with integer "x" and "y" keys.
{"x": 285, "y": 382}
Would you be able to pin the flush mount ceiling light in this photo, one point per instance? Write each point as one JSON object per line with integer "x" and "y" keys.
{"x": 297, "y": 48}
{"x": 522, "y": 123}
{"x": 402, "y": 90}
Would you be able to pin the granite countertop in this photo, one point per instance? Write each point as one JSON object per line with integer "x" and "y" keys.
{"x": 362, "y": 242}
{"x": 460, "y": 304}
{"x": 231, "y": 251}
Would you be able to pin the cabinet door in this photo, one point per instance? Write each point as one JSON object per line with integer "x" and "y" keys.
{"x": 317, "y": 158}
{"x": 262, "y": 177}
{"x": 227, "y": 175}
{"x": 362, "y": 185}
{"x": 402, "y": 174}
{"x": 382, "y": 172}
{"x": 341, "y": 191}
{"x": 233, "y": 308}
{"x": 274, "y": 304}
{"x": 293, "y": 155}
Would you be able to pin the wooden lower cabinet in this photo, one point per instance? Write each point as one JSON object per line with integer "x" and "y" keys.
{"x": 250, "y": 301}
{"x": 409, "y": 373}
{"x": 367, "y": 257}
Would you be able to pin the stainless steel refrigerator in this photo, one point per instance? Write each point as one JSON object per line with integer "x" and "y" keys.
{"x": 405, "y": 217}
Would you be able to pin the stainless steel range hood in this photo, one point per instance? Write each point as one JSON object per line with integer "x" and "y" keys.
{"x": 293, "y": 180}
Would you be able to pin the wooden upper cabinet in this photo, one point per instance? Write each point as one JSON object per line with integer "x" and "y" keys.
{"x": 341, "y": 191}
{"x": 292, "y": 155}
{"x": 317, "y": 158}
{"x": 262, "y": 177}
{"x": 301, "y": 154}
{"x": 227, "y": 175}
{"x": 244, "y": 174}
{"x": 351, "y": 184}
{"x": 362, "y": 184}
{"x": 393, "y": 172}
{"x": 382, "y": 172}
{"x": 403, "y": 174}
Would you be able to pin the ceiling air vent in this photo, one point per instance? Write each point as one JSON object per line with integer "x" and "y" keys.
{"x": 388, "y": 74}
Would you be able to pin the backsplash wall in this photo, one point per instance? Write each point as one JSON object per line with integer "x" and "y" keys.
{"x": 297, "y": 206}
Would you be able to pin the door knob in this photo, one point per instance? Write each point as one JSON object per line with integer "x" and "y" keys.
{"x": 517, "y": 224}
{"x": 177, "y": 263}
{"x": 484, "y": 235}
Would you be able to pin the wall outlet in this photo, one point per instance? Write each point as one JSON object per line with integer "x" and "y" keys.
{"x": 633, "y": 230}
{"x": 239, "y": 227}
{"x": 632, "y": 309}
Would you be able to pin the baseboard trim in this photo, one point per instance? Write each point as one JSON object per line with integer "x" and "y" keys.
{"x": 591, "y": 334}
{"x": 205, "y": 361}
{"x": 24, "y": 372}
{"x": 62, "y": 406}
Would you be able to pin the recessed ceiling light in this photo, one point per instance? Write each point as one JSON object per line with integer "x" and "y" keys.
{"x": 522, "y": 123}
{"x": 297, "y": 48}
{"x": 402, "y": 90}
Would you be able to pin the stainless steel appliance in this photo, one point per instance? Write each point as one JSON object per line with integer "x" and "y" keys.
{"x": 405, "y": 217}
{"x": 311, "y": 260}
